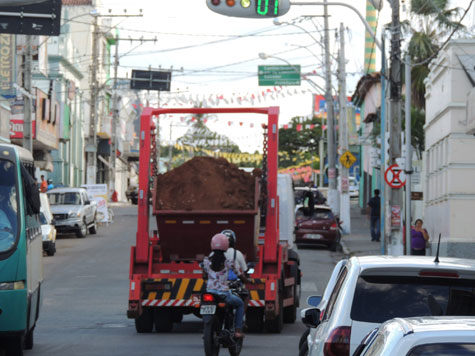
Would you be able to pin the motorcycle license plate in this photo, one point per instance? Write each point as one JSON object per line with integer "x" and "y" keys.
{"x": 207, "y": 309}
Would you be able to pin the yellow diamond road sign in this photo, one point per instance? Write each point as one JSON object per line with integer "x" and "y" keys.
{"x": 347, "y": 159}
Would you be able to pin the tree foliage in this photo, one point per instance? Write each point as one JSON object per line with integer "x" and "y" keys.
{"x": 430, "y": 22}
{"x": 301, "y": 145}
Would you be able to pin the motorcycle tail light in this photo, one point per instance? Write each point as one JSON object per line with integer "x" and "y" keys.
{"x": 338, "y": 343}
{"x": 208, "y": 298}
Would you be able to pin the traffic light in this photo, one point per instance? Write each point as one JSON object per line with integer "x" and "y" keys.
{"x": 249, "y": 8}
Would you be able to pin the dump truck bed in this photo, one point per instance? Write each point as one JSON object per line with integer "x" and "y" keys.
{"x": 185, "y": 235}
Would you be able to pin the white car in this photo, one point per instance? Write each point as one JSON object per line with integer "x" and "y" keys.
{"x": 73, "y": 211}
{"x": 354, "y": 187}
{"x": 442, "y": 336}
{"x": 47, "y": 226}
{"x": 373, "y": 289}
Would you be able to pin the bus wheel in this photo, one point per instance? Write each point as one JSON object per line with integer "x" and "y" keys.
{"x": 82, "y": 231}
{"x": 29, "y": 339}
{"x": 15, "y": 346}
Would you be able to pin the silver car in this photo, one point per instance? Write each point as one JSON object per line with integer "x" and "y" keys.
{"x": 442, "y": 336}
{"x": 73, "y": 211}
{"x": 373, "y": 289}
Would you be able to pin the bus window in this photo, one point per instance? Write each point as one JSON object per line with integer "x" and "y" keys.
{"x": 8, "y": 206}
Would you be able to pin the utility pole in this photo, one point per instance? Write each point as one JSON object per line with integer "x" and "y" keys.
{"x": 27, "y": 97}
{"x": 91, "y": 147}
{"x": 408, "y": 165}
{"x": 115, "y": 118}
{"x": 395, "y": 246}
{"x": 344, "y": 172}
{"x": 333, "y": 200}
{"x": 91, "y": 159}
{"x": 384, "y": 189}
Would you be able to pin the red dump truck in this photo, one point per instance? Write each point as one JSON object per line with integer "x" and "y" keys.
{"x": 165, "y": 274}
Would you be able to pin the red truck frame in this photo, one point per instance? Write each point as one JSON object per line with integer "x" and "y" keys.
{"x": 162, "y": 289}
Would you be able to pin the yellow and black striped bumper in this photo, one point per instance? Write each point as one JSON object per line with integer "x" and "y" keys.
{"x": 185, "y": 292}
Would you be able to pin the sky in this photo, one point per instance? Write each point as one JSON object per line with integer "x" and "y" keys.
{"x": 214, "y": 56}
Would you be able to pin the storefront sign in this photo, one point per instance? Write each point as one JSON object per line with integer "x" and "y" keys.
{"x": 7, "y": 65}
{"x": 98, "y": 193}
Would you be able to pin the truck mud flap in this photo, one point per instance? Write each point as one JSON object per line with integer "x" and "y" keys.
{"x": 257, "y": 293}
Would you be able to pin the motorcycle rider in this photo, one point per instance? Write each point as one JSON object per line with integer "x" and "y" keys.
{"x": 216, "y": 268}
{"x": 234, "y": 254}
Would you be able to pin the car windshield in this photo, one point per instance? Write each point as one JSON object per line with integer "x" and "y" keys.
{"x": 380, "y": 298}
{"x": 446, "y": 349}
{"x": 8, "y": 205}
{"x": 69, "y": 198}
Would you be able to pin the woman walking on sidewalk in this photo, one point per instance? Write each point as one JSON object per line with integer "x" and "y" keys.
{"x": 419, "y": 238}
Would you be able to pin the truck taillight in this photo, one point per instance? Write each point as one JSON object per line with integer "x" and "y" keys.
{"x": 208, "y": 298}
{"x": 338, "y": 343}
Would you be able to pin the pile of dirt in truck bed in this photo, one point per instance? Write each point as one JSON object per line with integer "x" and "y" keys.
{"x": 206, "y": 183}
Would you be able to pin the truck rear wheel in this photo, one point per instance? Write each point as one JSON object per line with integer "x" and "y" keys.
{"x": 255, "y": 320}
{"x": 163, "y": 320}
{"x": 144, "y": 323}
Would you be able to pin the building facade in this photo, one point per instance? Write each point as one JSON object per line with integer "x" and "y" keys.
{"x": 449, "y": 159}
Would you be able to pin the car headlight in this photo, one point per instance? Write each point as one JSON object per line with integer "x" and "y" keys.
{"x": 12, "y": 285}
{"x": 73, "y": 214}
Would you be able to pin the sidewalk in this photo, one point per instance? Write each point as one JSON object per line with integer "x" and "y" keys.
{"x": 359, "y": 243}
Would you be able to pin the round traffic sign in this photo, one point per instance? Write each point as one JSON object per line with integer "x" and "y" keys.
{"x": 395, "y": 177}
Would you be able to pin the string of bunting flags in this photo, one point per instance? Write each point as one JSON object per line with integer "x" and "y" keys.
{"x": 238, "y": 157}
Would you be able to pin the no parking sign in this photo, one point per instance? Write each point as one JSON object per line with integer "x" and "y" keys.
{"x": 395, "y": 176}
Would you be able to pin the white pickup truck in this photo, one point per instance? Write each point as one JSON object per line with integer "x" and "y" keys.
{"x": 73, "y": 211}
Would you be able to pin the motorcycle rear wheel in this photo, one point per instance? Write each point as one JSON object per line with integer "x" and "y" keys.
{"x": 210, "y": 338}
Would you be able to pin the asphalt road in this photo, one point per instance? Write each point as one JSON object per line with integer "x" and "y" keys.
{"x": 86, "y": 294}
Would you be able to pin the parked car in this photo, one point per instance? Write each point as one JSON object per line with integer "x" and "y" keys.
{"x": 374, "y": 289}
{"x": 320, "y": 227}
{"x": 442, "y": 336}
{"x": 317, "y": 304}
{"x": 132, "y": 194}
{"x": 354, "y": 187}
{"x": 73, "y": 211}
{"x": 47, "y": 226}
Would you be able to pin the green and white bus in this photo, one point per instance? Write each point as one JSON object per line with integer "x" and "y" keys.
{"x": 21, "y": 251}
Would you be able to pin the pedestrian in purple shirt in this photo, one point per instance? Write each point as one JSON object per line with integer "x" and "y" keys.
{"x": 419, "y": 238}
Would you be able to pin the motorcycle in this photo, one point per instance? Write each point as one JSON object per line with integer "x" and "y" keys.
{"x": 218, "y": 320}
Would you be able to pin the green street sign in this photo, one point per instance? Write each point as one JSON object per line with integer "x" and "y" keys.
{"x": 279, "y": 75}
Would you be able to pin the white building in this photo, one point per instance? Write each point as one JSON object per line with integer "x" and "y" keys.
{"x": 450, "y": 151}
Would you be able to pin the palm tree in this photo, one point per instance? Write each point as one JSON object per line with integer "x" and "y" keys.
{"x": 430, "y": 22}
